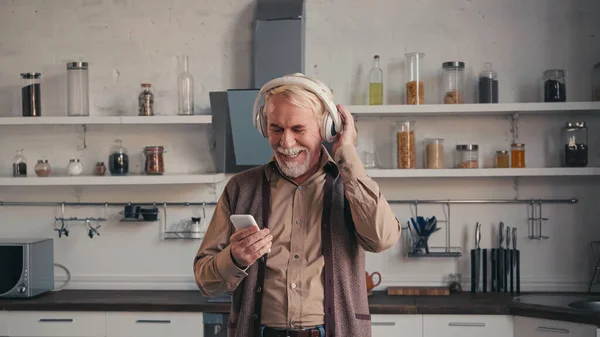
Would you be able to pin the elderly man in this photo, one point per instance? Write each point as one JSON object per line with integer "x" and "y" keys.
{"x": 302, "y": 272}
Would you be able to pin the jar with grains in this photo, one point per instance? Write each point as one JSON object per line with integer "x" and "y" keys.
{"x": 405, "y": 137}
{"x": 453, "y": 82}
{"x": 155, "y": 164}
{"x": 467, "y": 156}
{"x": 415, "y": 91}
{"x": 42, "y": 168}
{"x": 434, "y": 153}
{"x": 502, "y": 159}
{"x": 517, "y": 155}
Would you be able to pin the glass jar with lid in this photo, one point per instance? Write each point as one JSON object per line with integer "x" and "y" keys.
{"x": 19, "y": 165}
{"x": 467, "y": 156}
{"x": 488, "y": 84}
{"x": 555, "y": 85}
{"x": 453, "y": 82}
{"x": 576, "y": 149}
{"x": 146, "y": 100}
{"x": 31, "y": 100}
{"x": 596, "y": 83}
{"x": 502, "y": 159}
{"x": 517, "y": 155}
{"x": 415, "y": 90}
{"x": 42, "y": 168}
{"x": 118, "y": 160}
{"x": 405, "y": 137}
{"x": 154, "y": 160}
{"x": 434, "y": 153}
{"x": 78, "y": 95}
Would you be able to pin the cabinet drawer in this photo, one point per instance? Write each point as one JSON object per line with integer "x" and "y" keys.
{"x": 396, "y": 325}
{"x": 56, "y": 324}
{"x": 537, "y": 327}
{"x": 467, "y": 326}
{"x": 3, "y": 323}
{"x": 154, "y": 324}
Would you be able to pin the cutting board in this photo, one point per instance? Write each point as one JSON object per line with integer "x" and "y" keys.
{"x": 418, "y": 291}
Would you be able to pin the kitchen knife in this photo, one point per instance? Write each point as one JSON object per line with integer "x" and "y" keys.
{"x": 473, "y": 287}
{"x": 517, "y": 262}
{"x": 494, "y": 281}
{"x": 507, "y": 259}
{"x": 478, "y": 252}
{"x": 500, "y": 261}
{"x": 484, "y": 269}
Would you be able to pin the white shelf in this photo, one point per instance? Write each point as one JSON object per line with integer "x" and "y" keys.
{"x": 474, "y": 109}
{"x": 167, "y": 179}
{"x": 171, "y": 119}
{"x": 484, "y": 172}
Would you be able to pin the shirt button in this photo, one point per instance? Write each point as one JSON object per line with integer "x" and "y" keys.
{"x": 293, "y": 322}
{"x": 296, "y": 256}
{"x": 299, "y": 188}
{"x": 294, "y": 285}
{"x": 298, "y": 222}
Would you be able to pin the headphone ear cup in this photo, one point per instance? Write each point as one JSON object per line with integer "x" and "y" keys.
{"x": 328, "y": 129}
{"x": 262, "y": 123}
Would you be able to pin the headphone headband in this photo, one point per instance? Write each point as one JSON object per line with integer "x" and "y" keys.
{"x": 332, "y": 123}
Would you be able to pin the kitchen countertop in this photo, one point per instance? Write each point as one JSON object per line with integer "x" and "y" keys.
{"x": 540, "y": 305}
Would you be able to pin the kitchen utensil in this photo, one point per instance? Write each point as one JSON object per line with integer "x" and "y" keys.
{"x": 478, "y": 253}
{"x": 517, "y": 262}
{"x": 500, "y": 272}
{"x": 473, "y": 269}
{"x": 484, "y": 270}
{"x": 494, "y": 267}
{"x": 370, "y": 282}
{"x": 507, "y": 260}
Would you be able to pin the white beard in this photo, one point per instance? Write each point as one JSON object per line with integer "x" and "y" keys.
{"x": 293, "y": 169}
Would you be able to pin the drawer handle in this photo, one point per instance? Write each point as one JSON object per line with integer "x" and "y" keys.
{"x": 384, "y": 323}
{"x": 54, "y": 320}
{"x": 161, "y": 321}
{"x": 466, "y": 324}
{"x": 555, "y": 330}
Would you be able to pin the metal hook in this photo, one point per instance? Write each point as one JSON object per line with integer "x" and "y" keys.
{"x": 62, "y": 210}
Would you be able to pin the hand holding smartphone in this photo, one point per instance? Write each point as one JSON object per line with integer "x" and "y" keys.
{"x": 242, "y": 221}
{"x": 249, "y": 242}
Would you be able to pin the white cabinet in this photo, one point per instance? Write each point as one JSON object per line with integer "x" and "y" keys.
{"x": 154, "y": 324}
{"x": 467, "y": 326}
{"x": 3, "y": 323}
{"x": 396, "y": 325}
{"x": 56, "y": 324}
{"x": 537, "y": 327}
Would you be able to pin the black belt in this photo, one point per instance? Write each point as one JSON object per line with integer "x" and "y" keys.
{"x": 272, "y": 332}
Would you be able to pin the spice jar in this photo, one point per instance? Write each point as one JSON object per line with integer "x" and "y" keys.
{"x": 415, "y": 91}
{"x": 19, "y": 165}
{"x": 30, "y": 95}
{"x": 405, "y": 137}
{"x": 453, "y": 82}
{"x": 75, "y": 167}
{"x": 118, "y": 160}
{"x": 517, "y": 155}
{"x": 100, "y": 169}
{"x": 146, "y": 100}
{"x": 555, "y": 88}
{"x": 154, "y": 160}
{"x": 576, "y": 149}
{"x": 502, "y": 159}
{"x": 467, "y": 156}
{"x": 42, "y": 168}
{"x": 434, "y": 153}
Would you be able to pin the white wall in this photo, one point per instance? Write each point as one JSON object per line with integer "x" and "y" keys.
{"x": 130, "y": 42}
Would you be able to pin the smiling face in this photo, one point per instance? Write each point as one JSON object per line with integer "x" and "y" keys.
{"x": 293, "y": 130}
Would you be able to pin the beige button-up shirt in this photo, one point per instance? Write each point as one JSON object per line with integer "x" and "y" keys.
{"x": 293, "y": 293}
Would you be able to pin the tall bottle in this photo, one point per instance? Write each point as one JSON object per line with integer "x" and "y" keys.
{"x": 376, "y": 83}
{"x": 185, "y": 88}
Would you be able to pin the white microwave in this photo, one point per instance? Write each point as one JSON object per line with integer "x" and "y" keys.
{"x": 26, "y": 267}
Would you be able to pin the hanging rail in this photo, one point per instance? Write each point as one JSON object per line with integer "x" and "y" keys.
{"x": 154, "y": 203}
{"x": 486, "y": 201}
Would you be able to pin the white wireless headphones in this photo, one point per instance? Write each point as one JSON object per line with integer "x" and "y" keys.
{"x": 332, "y": 123}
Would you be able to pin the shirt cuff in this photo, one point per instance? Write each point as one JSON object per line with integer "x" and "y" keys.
{"x": 228, "y": 270}
{"x": 349, "y": 162}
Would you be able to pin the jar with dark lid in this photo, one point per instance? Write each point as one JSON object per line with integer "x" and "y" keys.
{"x": 467, "y": 156}
{"x": 118, "y": 160}
{"x": 154, "y": 160}
{"x": 453, "y": 82}
{"x": 42, "y": 168}
{"x": 78, "y": 95}
{"x": 555, "y": 86}
{"x": 30, "y": 95}
{"x": 146, "y": 100}
{"x": 576, "y": 149}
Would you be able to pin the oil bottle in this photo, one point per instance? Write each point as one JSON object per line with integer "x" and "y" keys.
{"x": 376, "y": 83}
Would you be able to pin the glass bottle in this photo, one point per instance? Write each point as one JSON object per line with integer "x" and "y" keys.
{"x": 185, "y": 88}
{"x": 42, "y": 168}
{"x": 555, "y": 87}
{"x": 19, "y": 165}
{"x": 118, "y": 160}
{"x": 415, "y": 92}
{"x": 488, "y": 84}
{"x": 146, "y": 100}
{"x": 453, "y": 82}
{"x": 78, "y": 89}
{"x": 376, "y": 83}
{"x": 575, "y": 136}
{"x": 405, "y": 137}
{"x": 30, "y": 95}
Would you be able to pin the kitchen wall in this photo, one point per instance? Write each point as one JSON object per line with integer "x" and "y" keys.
{"x": 129, "y": 42}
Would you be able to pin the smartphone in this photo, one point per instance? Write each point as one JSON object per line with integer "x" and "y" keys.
{"x": 242, "y": 221}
